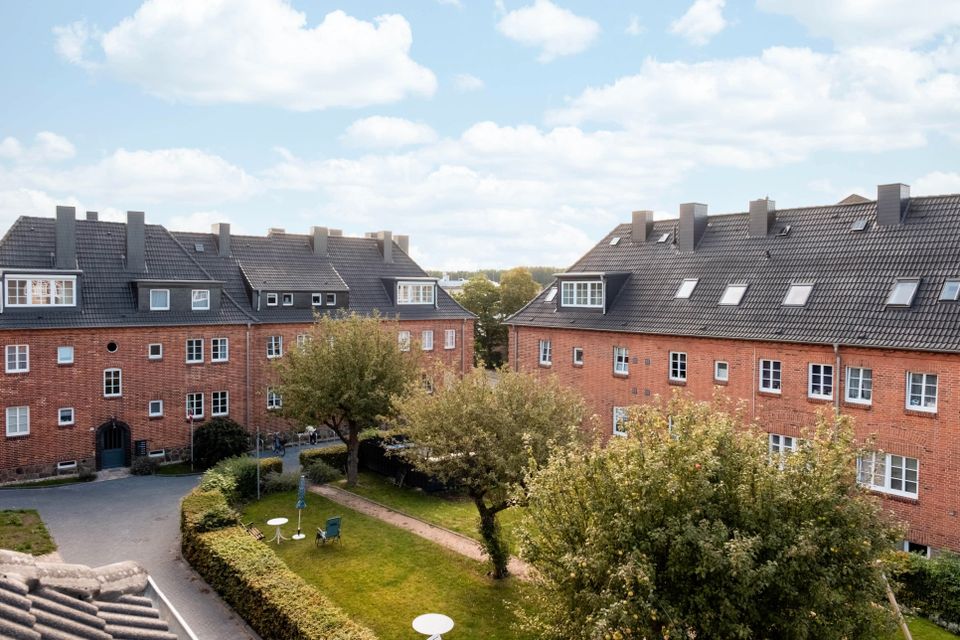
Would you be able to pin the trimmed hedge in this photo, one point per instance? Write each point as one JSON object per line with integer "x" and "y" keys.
{"x": 335, "y": 456}
{"x": 276, "y": 602}
{"x": 931, "y": 587}
{"x": 236, "y": 477}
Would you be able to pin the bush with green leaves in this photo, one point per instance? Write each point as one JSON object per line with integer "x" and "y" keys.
{"x": 275, "y": 482}
{"x": 334, "y": 455}
{"x": 929, "y": 586}
{"x": 144, "y": 466}
{"x": 236, "y": 477}
{"x": 319, "y": 472}
{"x": 218, "y": 439}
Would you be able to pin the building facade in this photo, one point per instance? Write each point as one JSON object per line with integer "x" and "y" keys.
{"x": 850, "y": 308}
{"x": 120, "y": 337}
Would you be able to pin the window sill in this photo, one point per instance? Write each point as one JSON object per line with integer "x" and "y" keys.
{"x": 617, "y": 374}
{"x": 17, "y": 436}
{"x": 64, "y": 364}
{"x": 863, "y": 406}
{"x": 449, "y": 348}
{"x": 193, "y": 362}
{"x": 920, "y": 413}
{"x": 15, "y": 373}
{"x": 156, "y": 417}
{"x": 770, "y": 393}
{"x": 219, "y": 362}
{"x": 894, "y": 496}
{"x": 578, "y": 365}
{"x": 545, "y": 365}
{"x": 119, "y": 395}
{"x": 819, "y": 400}
{"x": 722, "y": 383}
{"x": 677, "y": 383}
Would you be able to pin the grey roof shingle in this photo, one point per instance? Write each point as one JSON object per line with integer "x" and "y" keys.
{"x": 853, "y": 273}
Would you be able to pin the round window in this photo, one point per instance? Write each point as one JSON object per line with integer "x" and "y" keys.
{"x": 111, "y": 346}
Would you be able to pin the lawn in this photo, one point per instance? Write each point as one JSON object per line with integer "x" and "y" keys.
{"x": 923, "y": 630}
{"x": 175, "y": 469}
{"x": 48, "y": 482}
{"x": 384, "y": 577}
{"x": 23, "y": 530}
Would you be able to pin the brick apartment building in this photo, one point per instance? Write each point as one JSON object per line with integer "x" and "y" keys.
{"x": 113, "y": 333}
{"x": 852, "y": 307}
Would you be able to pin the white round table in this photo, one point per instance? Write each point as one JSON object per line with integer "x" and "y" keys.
{"x": 432, "y": 624}
{"x": 277, "y": 522}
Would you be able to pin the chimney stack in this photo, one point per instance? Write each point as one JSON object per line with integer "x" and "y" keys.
{"x": 642, "y": 226}
{"x": 136, "y": 242}
{"x": 320, "y": 235}
{"x": 692, "y": 224}
{"x": 403, "y": 241}
{"x": 92, "y": 216}
{"x": 386, "y": 242}
{"x": 222, "y": 231}
{"x": 892, "y": 202}
{"x": 336, "y": 232}
{"x": 66, "y": 231}
{"x": 275, "y": 231}
{"x": 762, "y": 214}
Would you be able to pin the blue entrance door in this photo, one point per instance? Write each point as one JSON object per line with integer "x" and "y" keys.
{"x": 114, "y": 439}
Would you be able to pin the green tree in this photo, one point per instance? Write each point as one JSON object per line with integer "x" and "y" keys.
{"x": 688, "y": 528}
{"x": 347, "y": 377}
{"x": 484, "y": 435}
{"x": 482, "y": 297}
{"x": 517, "y": 288}
{"x": 218, "y": 439}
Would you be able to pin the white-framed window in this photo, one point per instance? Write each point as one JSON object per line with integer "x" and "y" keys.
{"x": 274, "y": 346}
{"x": 415, "y": 292}
{"x": 922, "y": 391}
{"x": 678, "y": 366}
{"x": 18, "y": 358}
{"x": 18, "y": 421}
{"x": 621, "y": 361}
{"x": 159, "y": 299}
{"x": 951, "y": 289}
{"x": 586, "y": 293}
{"x": 41, "y": 291}
{"x": 403, "y": 340}
{"x": 112, "y": 383}
{"x": 154, "y": 351}
{"x": 546, "y": 352}
{"x": 200, "y": 299}
{"x": 272, "y": 299}
{"x": 287, "y": 299}
{"x": 302, "y": 340}
{"x": 65, "y": 416}
{"x": 859, "y": 387}
{"x": 619, "y": 421}
{"x": 450, "y": 339}
{"x": 274, "y": 400}
{"x": 732, "y": 295}
{"x": 685, "y": 290}
{"x": 820, "y": 381}
{"x": 155, "y": 409}
{"x": 426, "y": 340}
{"x": 578, "y": 356}
{"x": 902, "y": 292}
{"x": 195, "y": 350}
{"x": 316, "y": 299}
{"x": 219, "y": 349}
{"x": 781, "y": 445}
{"x": 65, "y": 355}
{"x": 220, "y": 403}
{"x": 889, "y": 473}
{"x": 331, "y": 299}
{"x": 917, "y": 548}
{"x": 770, "y": 380}
{"x": 195, "y": 405}
{"x": 721, "y": 370}
{"x": 797, "y": 295}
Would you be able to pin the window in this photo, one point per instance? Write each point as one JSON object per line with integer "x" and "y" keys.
{"x": 415, "y": 292}
{"x": 426, "y": 340}
{"x": 331, "y": 299}
{"x": 551, "y": 295}
{"x": 922, "y": 391}
{"x": 621, "y": 361}
{"x": 782, "y": 444}
{"x": 663, "y": 238}
{"x": 219, "y": 349}
{"x": 889, "y": 473}
{"x": 820, "y": 381}
{"x": 219, "y": 403}
{"x": 546, "y": 352}
{"x": 678, "y": 366}
{"x": 901, "y": 295}
{"x": 274, "y": 346}
{"x": 41, "y": 291}
{"x": 195, "y": 350}
{"x": 797, "y": 295}
{"x": 155, "y": 409}
{"x": 403, "y": 340}
{"x": 859, "y": 385}
{"x": 112, "y": 383}
{"x": 159, "y": 299}
{"x": 686, "y": 288}
{"x": 200, "y": 299}
{"x": 18, "y": 421}
{"x": 951, "y": 290}
{"x": 194, "y": 405}
{"x": 287, "y": 299}
{"x": 274, "y": 400}
{"x": 450, "y": 339}
{"x": 614, "y": 241}
{"x": 582, "y": 294}
{"x": 916, "y": 547}
{"x": 619, "y": 421}
{"x": 770, "y": 376}
{"x": 733, "y": 294}
{"x": 155, "y": 351}
{"x": 64, "y": 355}
{"x": 271, "y": 299}
{"x": 65, "y": 416}
{"x": 18, "y": 358}
{"x": 302, "y": 340}
{"x": 578, "y": 356}
{"x": 721, "y": 371}
{"x": 316, "y": 299}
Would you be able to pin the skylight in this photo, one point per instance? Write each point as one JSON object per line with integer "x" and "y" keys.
{"x": 663, "y": 238}
{"x": 951, "y": 290}
{"x": 859, "y": 225}
{"x": 198, "y": 247}
{"x": 686, "y": 288}
{"x": 902, "y": 293}
{"x": 614, "y": 241}
{"x": 797, "y": 295}
{"x": 733, "y": 294}
{"x": 551, "y": 294}
{"x": 785, "y": 231}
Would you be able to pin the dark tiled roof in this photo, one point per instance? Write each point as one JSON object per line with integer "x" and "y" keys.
{"x": 853, "y": 273}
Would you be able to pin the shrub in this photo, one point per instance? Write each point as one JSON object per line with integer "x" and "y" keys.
{"x": 931, "y": 587}
{"x": 320, "y": 472}
{"x": 236, "y": 477}
{"x": 278, "y": 482}
{"x": 144, "y": 466}
{"x": 335, "y": 456}
{"x": 218, "y": 439}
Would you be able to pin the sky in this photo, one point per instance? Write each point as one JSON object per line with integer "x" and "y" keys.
{"x": 494, "y": 132}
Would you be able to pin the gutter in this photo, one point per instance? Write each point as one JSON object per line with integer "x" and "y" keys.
{"x": 175, "y": 622}
{"x": 836, "y": 377}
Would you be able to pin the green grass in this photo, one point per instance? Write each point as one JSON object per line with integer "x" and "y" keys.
{"x": 48, "y": 482}
{"x": 175, "y": 469}
{"x": 23, "y": 530}
{"x": 925, "y": 630}
{"x": 384, "y": 577}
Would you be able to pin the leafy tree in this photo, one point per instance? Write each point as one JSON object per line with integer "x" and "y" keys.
{"x": 482, "y": 297}
{"x": 218, "y": 439}
{"x": 688, "y": 528}
{"x": 517, "y": 288}
{"x": 347, "y": 377}
{"x": 483, "y": 436}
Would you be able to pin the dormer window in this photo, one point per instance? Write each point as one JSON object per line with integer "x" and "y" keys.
{"x": 686, "y": 288}
{"x": 797, "y": 295}
{"x": 901, "y": 295}
{"x": 415, "y": 292}
{"x": 159, "y": 299}
{"x": 587, "y": 293}
{"x": 733, "y": 294}
{"x": 331, "y": 299}
{"x": 200, "y": 300}
{"x": 41, "y": 291}
{"x": 271, "y": 299}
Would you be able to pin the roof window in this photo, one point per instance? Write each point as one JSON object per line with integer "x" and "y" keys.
{"x": 797, "y": 295}
{"x": 198, "y": 247}
{"x": 551, "y": 295}
{"x": 615, "y": 241}
{"x": 951, "y": 289}
{"x": 663, "y": 238}
{"x": 859, "y": 225}
{"x": 784, "y": 232}
{"x": 901, "y": 295}
{"x": 686, "y": 288}
{"x": 733, "y": 294}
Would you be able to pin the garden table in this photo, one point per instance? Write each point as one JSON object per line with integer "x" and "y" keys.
{"x": 433, "y": 625}
{"x": 277, "y": 522}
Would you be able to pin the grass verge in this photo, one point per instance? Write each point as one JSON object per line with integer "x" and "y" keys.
{"x": 48, "y": 482}
{"x": 925, "y": 630}
{"x": 22, "y": 530}
{"x": 175, "y": 469}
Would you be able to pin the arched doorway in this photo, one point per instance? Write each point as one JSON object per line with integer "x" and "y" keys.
{"x": 113, "y": 445}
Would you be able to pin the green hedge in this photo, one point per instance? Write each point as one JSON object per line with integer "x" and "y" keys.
{"x": 335, "y": 456}
{"x": 931, "y": 587}
{"x": 276, "y": 602}
{"x": 236, "y": 477}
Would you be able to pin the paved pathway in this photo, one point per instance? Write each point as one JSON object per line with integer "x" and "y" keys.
{"x": 444, "y": 537}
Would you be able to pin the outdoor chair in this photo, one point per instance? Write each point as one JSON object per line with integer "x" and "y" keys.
{"x": 253, "y": 531}
{"x": 330, "y": 532}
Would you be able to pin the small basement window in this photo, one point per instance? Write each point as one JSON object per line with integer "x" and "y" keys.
{"x": 901, "y": 295}
{"x": 797, "y": 295}
{"x": 951, "y": 290}
{"x": 686, "y": 288}
{"x": 733, "y": 294}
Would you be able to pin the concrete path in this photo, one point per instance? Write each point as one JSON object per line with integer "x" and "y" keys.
{"x": 444, "y": 537}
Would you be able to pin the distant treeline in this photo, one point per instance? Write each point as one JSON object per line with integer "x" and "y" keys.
{"x": 542, "y": 275}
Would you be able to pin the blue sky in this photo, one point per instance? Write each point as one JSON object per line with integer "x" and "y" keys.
{"x": 494, "y": 133}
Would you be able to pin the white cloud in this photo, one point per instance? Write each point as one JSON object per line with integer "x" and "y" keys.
{"x": 556, "y": 31}
{"x": 702, "y": 21}
{"x": 879, "y": 22}
{"x": 936, "y": 183}
{"x": 385, "y": 132}
{"x": 11, "y": 148}
{"x": 452, "y": 3}
{"x": 634, "y": 27}
{"x": 465, "y": 83}
{"x": 46, "y": 147}
{"x": 255, "y": 51}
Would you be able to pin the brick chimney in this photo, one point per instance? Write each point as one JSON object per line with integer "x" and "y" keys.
{"x": 92, "y": 216}
{"x": 403, "y": 241}
{"x": 136, "y": 242}
{"x": 642, "y": 226}
{"x": 692, "y": 224}
{"x": 222, "y": 231}
{"x": 319, "y": 241}
{"x": 66, "y": 231}
{"x": 762, "y": 215}
{"x": 892, "y": 202}
{"x": 386, "y": 245}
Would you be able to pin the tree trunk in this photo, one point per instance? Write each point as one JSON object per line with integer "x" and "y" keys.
{"x": 353, "y": 457}
{"x": 493, "y": 542}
